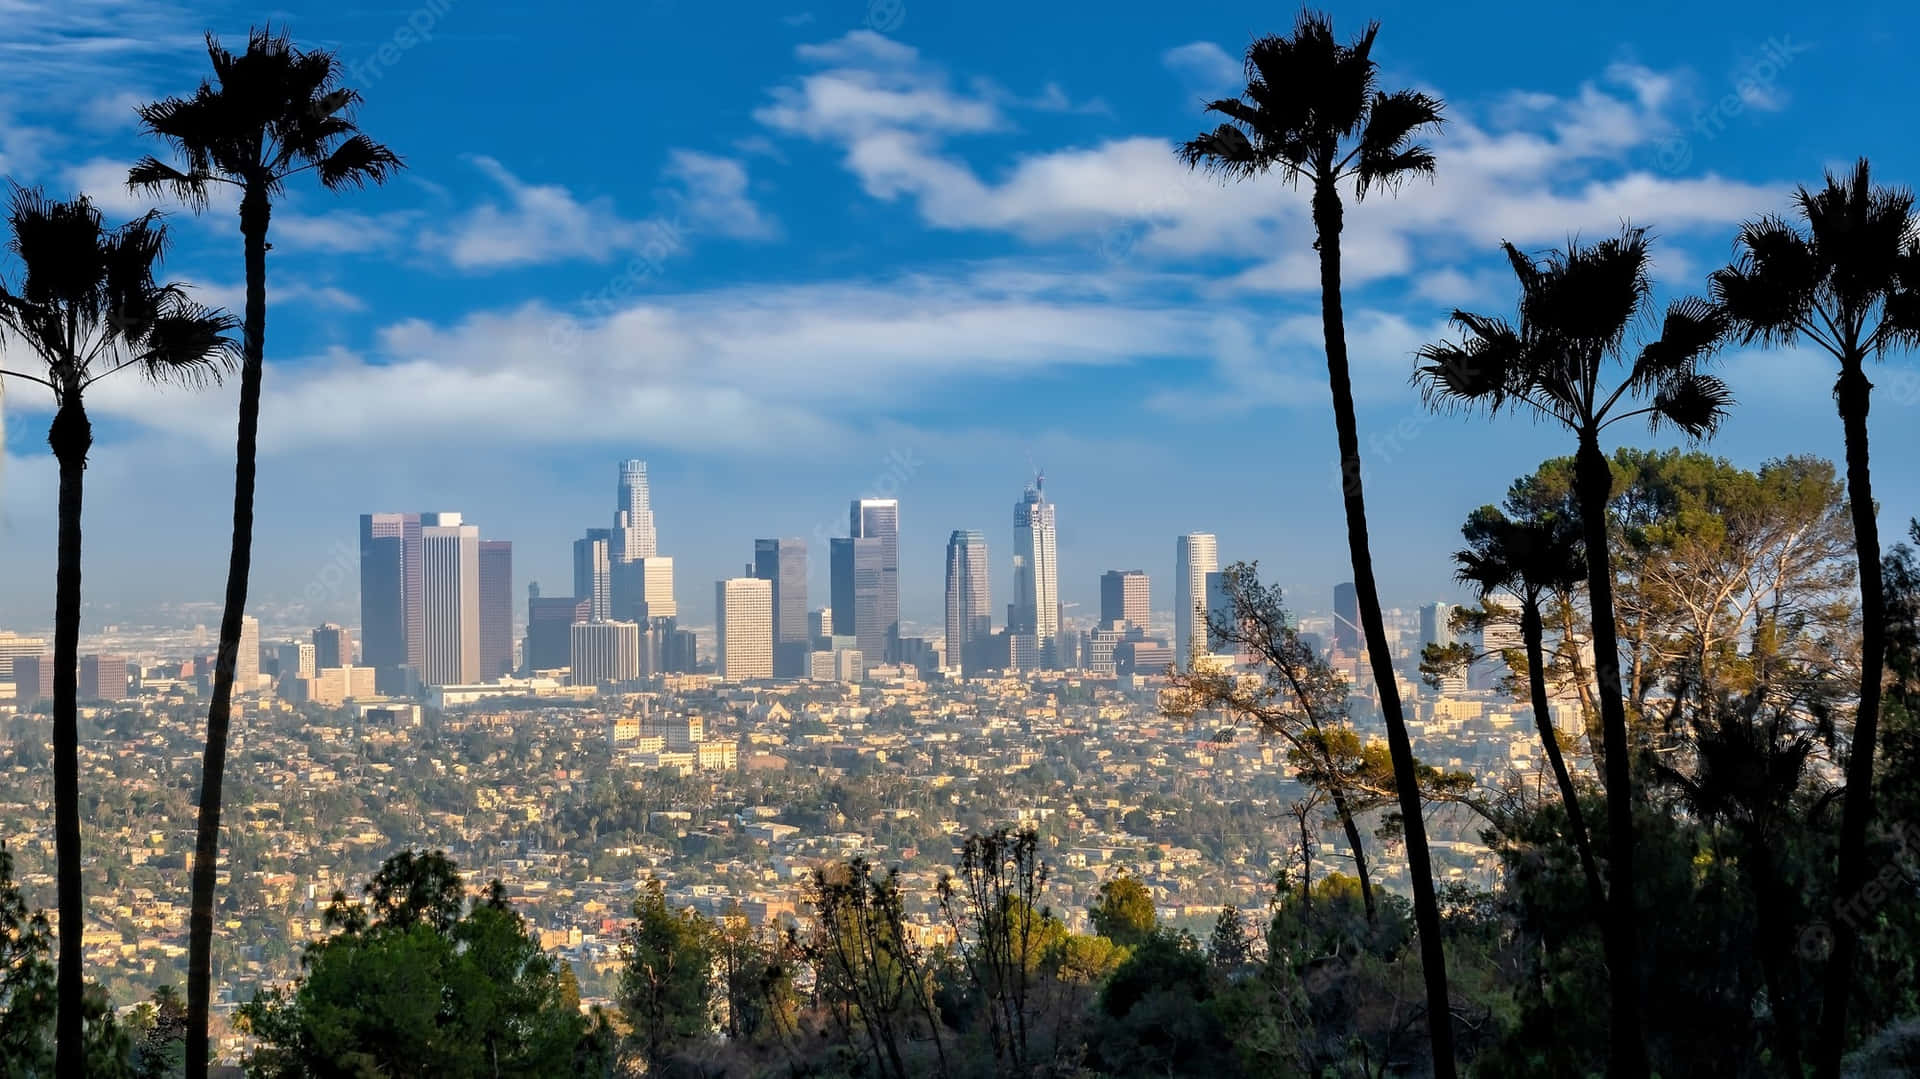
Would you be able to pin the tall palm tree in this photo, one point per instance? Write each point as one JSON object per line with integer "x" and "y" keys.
{"x": 1846, "y": 279}
{"x": 1532, "y": 557}
{"x": 1313, "y": 112}
{"x": 87, "y": 305}
{"x": 1576, "y": 308}
{"x": 267, "y": 115}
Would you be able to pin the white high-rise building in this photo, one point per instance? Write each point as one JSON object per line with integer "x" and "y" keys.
{"x": 12, "y": 645}
{"x": 450, "y": 601}
{"x": 633, "y": 536}
{"x": 246, "y": 665}
{"x": 1195, "y": 555}
{"x": 969, "y": 610}
{"x": 743, "y": 607}
{"x": 603, "y": 653}
{"x": 656, "y": 587}
{"x": 1036, "y": 574}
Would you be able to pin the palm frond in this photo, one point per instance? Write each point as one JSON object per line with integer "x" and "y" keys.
{"x": 1479, "y": 371}
{"x": 357, "y": 162}
{"x": 1773, "y": 284}
{"x": 1691, "y": 332}
{"x": 1388, "y": 155}
{"x": 1694, "y": 405}
{"x": 189, "y": 344}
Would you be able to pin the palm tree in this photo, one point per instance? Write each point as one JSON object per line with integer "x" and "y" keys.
{"x": 267, "y": 115}
{"x": 1532, "y": 557}
{"x": 1576, "y": 307}
{"x": 1312, "y": 111}
{"x": 86, "y": 303}
{"x": 1848, "y": 281}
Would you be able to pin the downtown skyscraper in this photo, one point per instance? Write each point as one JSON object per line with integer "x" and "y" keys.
{"x": 1035, "y": 610}
{"x": 1125, "y": 596}
{"x": 743, "y": 628}
{"x": 391, "y": 637}
{"x": 856, "y": 568}
{"x": 593, "y": 572}
{"x": 496, "y": 609}
{"x": 969, "y": 604}
{"x": 633, "y": 536}
{"x": 783, "y": 562}
{"x": 1195, "y": 555}
{"x": 878, "y": 519}
{"x": 450, "y": 600}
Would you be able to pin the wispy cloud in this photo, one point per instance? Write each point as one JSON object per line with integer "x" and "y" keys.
{"x": 546, "y": 222}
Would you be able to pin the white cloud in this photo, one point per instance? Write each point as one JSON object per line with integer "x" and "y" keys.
{"x": 1204, "y": 68}
{"x": 540, "y": 223}
{"x": 725, "y": 371}
{"x": 1535, "y": 169}
{"x": 712, "y": 193}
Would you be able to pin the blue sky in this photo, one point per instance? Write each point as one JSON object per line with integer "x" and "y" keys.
{"x": 795, "y": 253}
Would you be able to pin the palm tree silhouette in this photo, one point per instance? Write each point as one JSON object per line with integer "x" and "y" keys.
{"x": 86, "y": 303}
{"x": 1312, "y": 111}
{"x": 1576, "y": 307}
{"x": 1533, "y": 556}
{"x": 269, "y": 114}
{"x": 1847, "y": 281}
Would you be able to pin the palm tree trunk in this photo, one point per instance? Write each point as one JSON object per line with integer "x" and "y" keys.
{"x": 1532, "y": 631}
{"x": 1775, "y": 948}
{"x": 1854, "y": 395}
{"x": 1593, "y": 481}
{"x": 1426, "y": 908}
{"x": 70, "y": 436}
{"x": 254, "y": 213}
{"x": 1344, "y": 811}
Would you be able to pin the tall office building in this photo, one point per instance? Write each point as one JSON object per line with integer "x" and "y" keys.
{"x": 969, "y": 602}
{"x": 550, "y": 622}
{"x": 294, "y": 659}
{"x": 450, "y": 600}
{"x": 1436, "y": 624}
{"x": 656, "y": 588}
{"x": 593, "y": 570}
{"x": 633, "y": 536}
{"x": 496, "y": 609}
{"x": 879, "y": 519}
{"x": 32, "y": 679}
{"x": 390, "y": 599}
{"x": 604, "y": 653}
{"x": 246, "y": 666}
{"x": 1195, "y": 555}
{"x": 1036, "y": 574}
{"x": 743, "y": 628}
{"x": 857, "y": 570}
{"x": 783, "y": 562}
{"x": 1125, "y": 596}
{"x": 1219, "y": 610}
{"x": 820, "y": 628}
{"x": 332, "y": 646}
{"x": 103, "y": 678}
{"x": 1346, "y": 619}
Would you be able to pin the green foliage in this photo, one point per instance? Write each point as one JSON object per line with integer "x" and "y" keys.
{"x": 1124, "y": 912}
{"x": 404, "y": 994}
{"x": 666, "y": 975}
